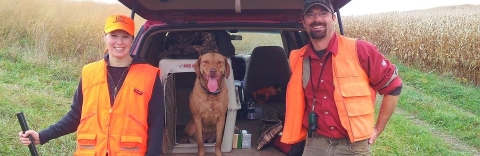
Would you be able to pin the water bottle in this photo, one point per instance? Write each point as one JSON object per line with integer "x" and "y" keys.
{"x": 250, "y": 110}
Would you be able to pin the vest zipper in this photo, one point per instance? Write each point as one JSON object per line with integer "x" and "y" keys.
{"x": 108, "y": 127}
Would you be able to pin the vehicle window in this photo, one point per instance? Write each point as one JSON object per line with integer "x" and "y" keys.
{"x": 252, "y": 39}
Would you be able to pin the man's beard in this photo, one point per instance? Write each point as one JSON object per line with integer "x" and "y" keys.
{"x": 318, "y": 34}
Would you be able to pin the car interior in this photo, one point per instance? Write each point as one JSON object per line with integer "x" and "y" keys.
{"x": 258, "y": 58}
{"x": 255, "y": 35}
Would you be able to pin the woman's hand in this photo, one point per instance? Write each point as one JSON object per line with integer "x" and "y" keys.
{"x": 25, "y": 140}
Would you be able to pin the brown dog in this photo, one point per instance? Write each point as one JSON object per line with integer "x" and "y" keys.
{"x": 208, "y": 102}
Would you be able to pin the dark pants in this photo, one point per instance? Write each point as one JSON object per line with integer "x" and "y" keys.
{"x": 324, "y": 146}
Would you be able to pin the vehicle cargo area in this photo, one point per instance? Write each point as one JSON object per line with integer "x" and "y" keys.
{"x": 255, "y": 65}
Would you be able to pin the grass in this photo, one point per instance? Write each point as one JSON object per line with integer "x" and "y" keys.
{"x": 443, "y": 102}
{"x": 450, "y": 90}
{"x": 43, "y": 93}
{"x": 450, "y": 114}
{"x": 45, "y": 98}
{"x": 44, "y": 45}
{"x": 403, "y": 137}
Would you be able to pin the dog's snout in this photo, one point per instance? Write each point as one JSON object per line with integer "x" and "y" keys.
{"x": 213, "y": 70}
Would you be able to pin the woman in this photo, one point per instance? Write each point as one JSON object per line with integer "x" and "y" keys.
{"x": 118, "y": 106}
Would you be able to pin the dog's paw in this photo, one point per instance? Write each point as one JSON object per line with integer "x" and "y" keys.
{"x": 184, "y": 140}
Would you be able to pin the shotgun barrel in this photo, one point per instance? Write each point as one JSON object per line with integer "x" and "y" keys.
{"x": 24, "y": 125}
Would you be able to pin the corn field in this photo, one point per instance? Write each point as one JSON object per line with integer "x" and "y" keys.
{"x": 441, "y": 40}
{"x": 57, "y": 28}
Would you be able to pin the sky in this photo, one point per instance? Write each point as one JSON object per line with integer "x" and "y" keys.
{"x": 365, "y": 7}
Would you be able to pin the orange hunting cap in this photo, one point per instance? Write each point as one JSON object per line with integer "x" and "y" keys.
{"x": 119, "y": 22}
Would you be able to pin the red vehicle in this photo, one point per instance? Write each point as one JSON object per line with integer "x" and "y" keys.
{"x": 256, "y": 36}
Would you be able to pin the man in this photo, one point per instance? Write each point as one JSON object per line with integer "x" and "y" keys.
{"x": 331, "y": 93}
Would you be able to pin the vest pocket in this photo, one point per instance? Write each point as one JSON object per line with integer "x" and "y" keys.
{"x": 130, "y": 144}
{"x": 361, "y": 118}
{"x": 86, "y": 144}
{"x": 359, "y": 108}
{"x": 87, "y": 140}
{"x": 357, "y": 98}
{"x": 125, "y": 140}
{"x": 362, "y": 126}
{"x": 355, "y": 90}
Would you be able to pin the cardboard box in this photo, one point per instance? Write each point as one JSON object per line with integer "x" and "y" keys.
{"x": 237, "y": 141}
{"x": 234, "y": 141}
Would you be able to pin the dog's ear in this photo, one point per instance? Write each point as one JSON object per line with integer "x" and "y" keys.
{"x": 197, "y": 66}
{"x": 227, "y": 68}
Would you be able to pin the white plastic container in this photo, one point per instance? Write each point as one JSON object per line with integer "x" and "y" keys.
{"x": 169, "y": 67}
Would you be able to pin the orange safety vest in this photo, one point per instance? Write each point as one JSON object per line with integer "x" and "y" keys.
{"x": 353, "y": 95}
{"x": 120, "y": 129}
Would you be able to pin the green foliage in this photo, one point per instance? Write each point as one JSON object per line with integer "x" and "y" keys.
{"x": 403, "y": 137}
{"x": 443, "y": 103}
{"x": 43, "y": 93}
{"x": 444, "y": 88}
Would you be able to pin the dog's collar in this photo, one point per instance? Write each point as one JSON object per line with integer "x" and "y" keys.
{"x": 208, "y": 91}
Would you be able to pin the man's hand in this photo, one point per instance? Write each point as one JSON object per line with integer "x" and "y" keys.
{"x": 374, "y": 135}
{"x": 389, "y": 103}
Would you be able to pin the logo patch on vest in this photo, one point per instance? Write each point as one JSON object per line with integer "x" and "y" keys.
{"x": 138, "y": 91}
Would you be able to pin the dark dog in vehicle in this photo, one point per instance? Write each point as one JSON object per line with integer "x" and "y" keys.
{"x": 189, "y": 44}
{"x": 208, "y": 102}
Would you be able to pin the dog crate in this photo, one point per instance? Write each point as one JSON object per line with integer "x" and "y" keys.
{"x": 178, "y": 78}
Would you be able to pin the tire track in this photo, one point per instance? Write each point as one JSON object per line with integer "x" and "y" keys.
{"x": 452, "y": 140}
